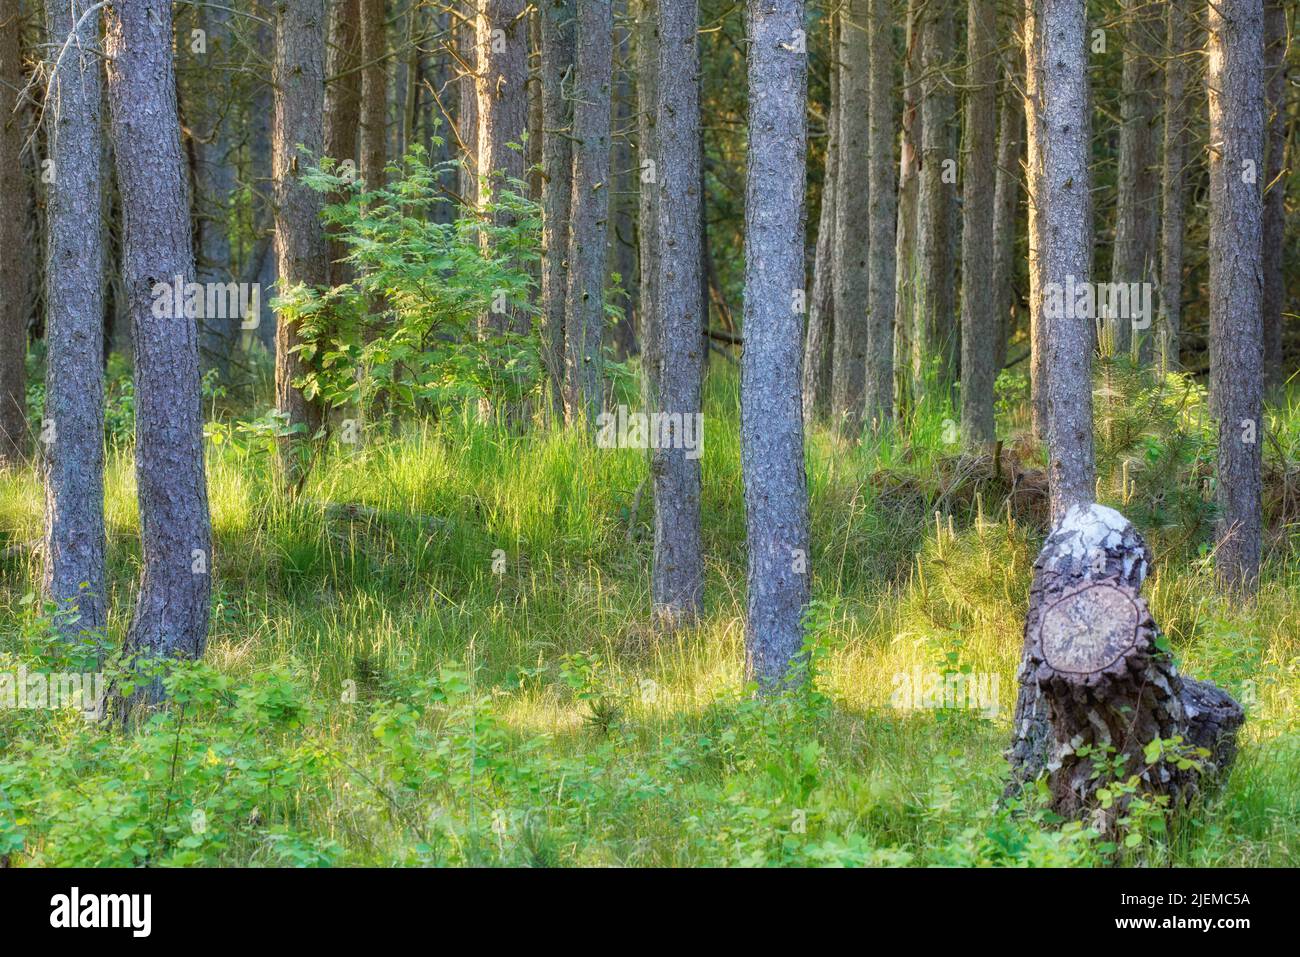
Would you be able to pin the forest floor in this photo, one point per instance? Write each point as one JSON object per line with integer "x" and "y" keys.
{"x": 438, "y": 652}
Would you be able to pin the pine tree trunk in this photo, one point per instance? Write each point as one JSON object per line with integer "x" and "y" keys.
{"x": 622, "y": 256}
{"x": 772, "y": 453}
{"x": 1006, "y": 204}
{"x": 979, "y": 315}
{"x": 1034, "y": 231}
{"x": 343, "y": 106}
{"x": 1274, "y": 228}
{"x": 820, "y": 333}
{"x": 678, "y": 580}
{"x": 171, "y": 613}
{"x": 1236, "y": 92}
{"x": 909, "y": 187}
{"x": 557, "y": 187}
{"x": 883, "y": 213}
{"x": 647, "y": 91}
{"x": 1065, "y": 204}
{"x": 15, "y": 259}
{"x": 1136, "y": 210}
{"x": 374, "y": 92}
{"x": 300, "y": 248}
{"x": 585, "y": 304}
{"x": 1169, "y": 327}
{"x": 852, "y": 216}
{"x": 72, "y": 435}
{"x": 935, "y": 334}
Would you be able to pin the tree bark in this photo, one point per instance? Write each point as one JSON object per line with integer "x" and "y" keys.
{"x": 1169, "y": 326}
{"x": 301, "y": 252}
{"x": 171, "y": 613}
{"x": 1006, "y": 205}
{"x": 678, "y": 580}
{"x": 1236, "y": 94}
{"x": 820, "y": 333}
{"x": 772, "y": 453}
{"x": 647, "y": 91}
{"x": 622, "y": 256}
{"x": 979, "y": 315}
{"x": 466, "y": 33}
{"x": 883, "y": 213}
{"x": 557, "y": 28}
{"x": 73, "y": 431}
{"x": 1135, "y": 217}
{"x": 1275, "y": 181}
{"x": 1065, "y": 205}
{"x": 1093, "y": 676}
{"x": 374, "y": 92}
{"x": 852, "y": 217}
{"x": 15, "y": 271}
{"x": 1034, "y": 232}
{"x": 935, "y": 327}
{"x": 585, "y": 304}
{"x": 342, "y": 106}
{"x": 909, "y": 183}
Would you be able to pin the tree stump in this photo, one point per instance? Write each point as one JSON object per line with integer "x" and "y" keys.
{"x": 1093, "y": 674}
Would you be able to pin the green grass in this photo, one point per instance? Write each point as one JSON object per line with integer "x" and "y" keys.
{"x": 380, "y": 688}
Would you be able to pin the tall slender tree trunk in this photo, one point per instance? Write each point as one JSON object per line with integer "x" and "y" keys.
{"x": 1172, "y": 219}
{"x": 678, "y": 583}
{"x": 883, "y": 215}
{"x": 852, "y": 216}
{"x": 342, "y": 106}
{"x": 1006, "y": 203}
{"x": 647, "y": 92}
{"x": 72, "y": 434}
{"x": 1034, "y": 201}
{"x": 171, "y": 613}
{"x": 935, "y": 333}
{"x": 771, "y": 433}
{"x": 1135, "y": 217}
{"x": 557, "y": 26}
{"x": 909, "y": 191}
{"x": 979, "y": 313}
{"x": 301, "y": 252}
{"x": 584, "y": 334}
{"x": 15, "y": 260}
{"x": 1064, "y": 135}
{"x": 1235, "y": 84}
{"x": 1275, "y": 180}
{"x": 374, "y": 92}
{"x": 622, "y": 256}
{"x": 466, "y": 41}
{"x": 820, "y": 333}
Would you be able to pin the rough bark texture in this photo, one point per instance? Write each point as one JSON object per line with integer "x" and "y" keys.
{"x": 343, "y": 104}
{"x": 374, "y": 92}
{"x": 466, "y": 35}
{"x": 171, "y": 613}
{"x": 979, "y": 316}
{"x": 1065, "y": 257}
{"x": 72, "y": 435}
{"x": 622, "y": 256}
{"x": 1274, "y": 228}
{"x": 820, "y": 333}
{"x": 15, "y": 260}
{"x": 647, "y": 92}
{"x": 557, "y": 185}
{"x": 772, "y": 456}
{"x": 934, "y": 326}
{"x": 1093, "y": 675}
{"x": 1006, "y": 203}
{"x": 879, "y": 409}
{"x": 852, "y": 215}
{"x": 1136, "y": 210}
{"x": 300, "y": 248}
{"x": 214, "y": 182}
{"x": 1034, "y": 232}
{"x": 678, "y": 580}
{"x": 1169, "y": 324}
{"x": 1236, "y": 93}
{"x": 909, "y": 184}
{"x": 585, "y": 304}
